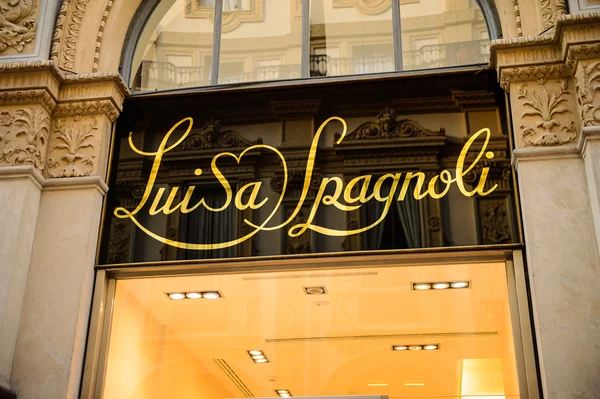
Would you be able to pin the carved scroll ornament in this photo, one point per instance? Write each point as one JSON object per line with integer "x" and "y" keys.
{"x": 389, "y": 126}
{"x": 17, "y": 23}
{"x": 588, "y": 84}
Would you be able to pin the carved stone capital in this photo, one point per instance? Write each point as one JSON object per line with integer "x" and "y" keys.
{"x": 538, "y": 73}
{"x": 543, "y": 114}
{"x": 24, "y": 135}
{"x": 29, "y": 97}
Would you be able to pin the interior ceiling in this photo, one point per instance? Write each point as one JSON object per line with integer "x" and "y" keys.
{"x": 339, "y": 343}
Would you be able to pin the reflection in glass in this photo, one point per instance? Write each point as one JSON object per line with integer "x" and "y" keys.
{"x": 339, "y": 343}
{"x": 437, "y": 34}
{"x": 350, "y": 40}
{"x": 264, "y": 44}
{"x": 177, "y": 50}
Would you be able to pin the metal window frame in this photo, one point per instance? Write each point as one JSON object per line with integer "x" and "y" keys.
{"x": 527, "y": 364}
{"x": 147, "y": 7}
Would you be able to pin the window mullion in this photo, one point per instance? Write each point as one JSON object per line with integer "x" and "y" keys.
{"x": 305, "y": 63}
{"x": 214, "y": 76}
{"x": 397, "y": 35}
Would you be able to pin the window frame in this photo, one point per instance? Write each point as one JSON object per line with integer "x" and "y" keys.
{"x": 146, "y": 9}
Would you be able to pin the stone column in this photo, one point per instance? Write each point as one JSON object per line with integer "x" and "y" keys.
{"x": 557, "y": 167}
{"x": 27, "y": 100}
{"x": 48, "y": 358}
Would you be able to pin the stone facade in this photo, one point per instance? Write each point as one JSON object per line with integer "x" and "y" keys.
{"x": 60, "y": 94}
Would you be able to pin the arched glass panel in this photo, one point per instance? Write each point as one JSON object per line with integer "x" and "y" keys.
{"x": 175, "y": 48}
{"x": 443, "y": 33}
{"x": 263, "y": 40}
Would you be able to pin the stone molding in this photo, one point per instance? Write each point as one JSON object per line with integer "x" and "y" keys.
{"x": 100, "y": 35}
{"x": 66, "y": 33}
{"x": 76, "y": 183}
{"x": 20, "y": 172}
{"x": 588, "y": 134}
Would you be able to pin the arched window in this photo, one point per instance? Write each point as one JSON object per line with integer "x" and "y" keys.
{"x": 188, "y": 43}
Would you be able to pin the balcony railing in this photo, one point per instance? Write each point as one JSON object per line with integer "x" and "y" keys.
{"x": 164, "y": 75}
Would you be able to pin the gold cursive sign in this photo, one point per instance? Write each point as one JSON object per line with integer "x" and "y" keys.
{"x": 342, "y": 197}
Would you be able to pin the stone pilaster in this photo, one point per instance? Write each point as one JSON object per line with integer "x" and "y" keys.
{"x": 55, "y": 133}
{"x": 553, "y": 98}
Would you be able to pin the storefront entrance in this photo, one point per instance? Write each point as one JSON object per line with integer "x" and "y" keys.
{"x": 403, "y": 326}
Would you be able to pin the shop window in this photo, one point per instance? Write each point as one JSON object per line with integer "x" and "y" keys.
{"x": 349, "y": 332}
{"x": 354, "y": 37}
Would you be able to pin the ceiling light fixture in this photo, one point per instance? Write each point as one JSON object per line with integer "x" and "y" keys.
{"x": 318, "y": 290}
{"x": 284, "y": 393}
{"x": 415, "y": 348}
{"x": 258, "y": 356}
{"x": 194, "y": 295}
{"x": 440, "y": 285}
{"x": 413, "y": 384}
{"x": 379, "y": 384}
{"x": 211, "y": 295}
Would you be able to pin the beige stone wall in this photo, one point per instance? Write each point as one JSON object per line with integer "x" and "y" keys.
{"x": 56, "y": 116}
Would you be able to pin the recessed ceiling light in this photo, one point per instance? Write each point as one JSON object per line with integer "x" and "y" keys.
{"x": 399, "y": 347}
{"x": 194, "y": 295}
{"x": 430, "y": 347}
{"x": 413, "y": 384}
{"x": 284, "y": 393}
{"x": 378, "y": 384}
{"x": 256, "y": 357}
{"x": 422, "y": 286}
{"x": 211, "y": 295}
{"x": 440, "y": 286}
{"x": 260, "y": 361}
{"x": 415, "y": 347}
{"x": 460, "y": 284}
{"x": 317, "y": 290}
{"x": 255, "y": 352}
{"x": 176, "y": 296}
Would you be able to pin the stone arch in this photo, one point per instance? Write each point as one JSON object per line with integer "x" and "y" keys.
{"x": 100, "y": 36}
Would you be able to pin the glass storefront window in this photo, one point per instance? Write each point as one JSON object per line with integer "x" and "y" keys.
{"x": 174, "y": 50}
{"x": 325, "y": 332}
{"x": 438, "y": 34}
{"x": 349, "y": 40}
{"x": 267, "y": 47}
{"x": 265, "y": 40}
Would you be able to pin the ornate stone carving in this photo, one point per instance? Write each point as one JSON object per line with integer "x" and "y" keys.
{"x": 369, "y": 7}
{"x": 388, "y": 126}
{"x": 37, "y": 96}
{"x": 231, "y": 18}
{"x": 93, "y": 107}
{"x": 434, "y": 223}
{"x": 17, "y": 23}
{"x": 540, "y": 73}
{"x": 296, "y": 182}
{"x": 551, "y": 10}
{"x": 587, "y": 84}
{"x": 23, "y": 137}
{"x": 66, "y": 34}
{"x": 72, "y": 148}
{"x": 212, "y": 135}
{"x": 545, "y": 104}
{"x": 494, "y": 221}
{"x": 100, "y": 35}
{"x": 518, "y": 17}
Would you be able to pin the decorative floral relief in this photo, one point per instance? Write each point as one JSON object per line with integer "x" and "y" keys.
{"x": 545, "y": 105}
{"x": 72, "y": 144}
{"x": 23, "y": 137}
{"x": 17, "y": 25}
{"x": 588, "y": 83}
